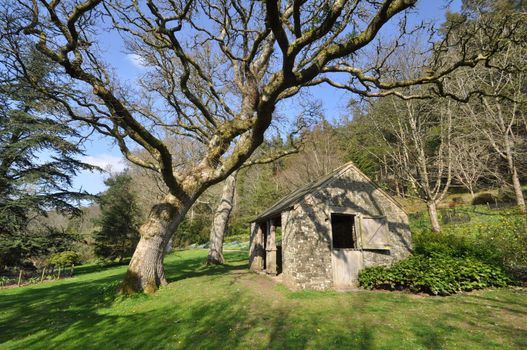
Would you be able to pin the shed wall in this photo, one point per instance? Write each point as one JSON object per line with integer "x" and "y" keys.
{"x": 307, "y": 230}
{"x": 306, "y": 249}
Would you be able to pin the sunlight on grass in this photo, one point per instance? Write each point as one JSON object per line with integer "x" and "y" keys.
{"x": 228, "y": 307}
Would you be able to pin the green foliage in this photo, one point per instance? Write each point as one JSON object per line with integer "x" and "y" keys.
{"x": 196, "y": 230}
{"x": 23, "y": 248}
{"x": 437, "y": 274}
{"x": 257, "y": 190}
{"x": 501, "y": 242}
{"x": 361, "y": 144}
{"x": 119, "y": 221}
{"x": 37, "y": 162}
{"x": 450, "y": 244}
{"x": 67, "y": 258}
{"x": 491, "y": 250}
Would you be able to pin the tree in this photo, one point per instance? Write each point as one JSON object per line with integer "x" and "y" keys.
{"x": 495, "y": 92}
{"x": 221, "y": 220}
{"x": 419, "y": 134}
{"x": 320, "y": 154}
{"x": 216, "y": 70}
{"x": 38, "y": 159}
{"x": 273, "y": 154}
{"x": 471, "y": 160}
{"x": 119, "y": 221}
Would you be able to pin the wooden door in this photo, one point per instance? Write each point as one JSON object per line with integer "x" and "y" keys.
{"x": 346, "y": 266}
{"x": 346, "y": 259}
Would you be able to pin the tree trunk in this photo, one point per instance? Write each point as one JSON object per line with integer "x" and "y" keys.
{"x": 170, "y": 245}
{"x": 145, "y": 271}
{"x": 434, "y": 221}
{"x": 220, "y": 221}
{"x": 520, "y": 200}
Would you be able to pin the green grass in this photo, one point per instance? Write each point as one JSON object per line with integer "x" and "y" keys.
{"x": 230, "y": 308}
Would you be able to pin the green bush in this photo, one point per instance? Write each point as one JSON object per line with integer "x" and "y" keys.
{"x": 67, "y": 258}
{"x": 454, "y": 245}
{"x": 502, "y": 243}
{"x": 436, "y": 275}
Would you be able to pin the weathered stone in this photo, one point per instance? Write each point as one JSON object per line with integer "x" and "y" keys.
{"x": 307, "y": 245}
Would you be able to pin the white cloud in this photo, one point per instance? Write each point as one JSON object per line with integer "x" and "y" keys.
{"x": 106, "y": 162}
{"x": 136, "y": 60}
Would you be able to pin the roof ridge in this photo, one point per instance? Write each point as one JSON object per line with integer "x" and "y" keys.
{"x": 295, "y": 196}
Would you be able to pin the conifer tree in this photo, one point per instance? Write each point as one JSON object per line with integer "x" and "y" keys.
{"x": 38, "y": 160}
{"x": 119, "y": 222}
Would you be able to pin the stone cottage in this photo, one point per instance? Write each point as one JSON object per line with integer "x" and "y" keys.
{"x": 321, "y": 235}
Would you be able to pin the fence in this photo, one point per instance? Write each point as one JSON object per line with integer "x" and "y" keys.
{"x": 20, "y": 276}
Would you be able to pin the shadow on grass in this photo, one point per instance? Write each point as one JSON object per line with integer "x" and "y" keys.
{"x": 197, "y": 267}
{"x": 214, "y": 313}
{"x": 73, "y": 305}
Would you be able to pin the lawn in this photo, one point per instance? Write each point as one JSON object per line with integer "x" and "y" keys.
{"x": 229, "y": 307}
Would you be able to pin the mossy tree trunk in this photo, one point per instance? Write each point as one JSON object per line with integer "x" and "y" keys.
{"x": 145, "y": 271}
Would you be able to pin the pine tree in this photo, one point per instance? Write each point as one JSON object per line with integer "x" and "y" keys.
{"x": 38, "y": 160}
{"x": 119, "y": 221}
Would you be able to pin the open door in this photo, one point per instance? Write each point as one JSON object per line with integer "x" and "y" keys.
{"x": 345, "y": 257}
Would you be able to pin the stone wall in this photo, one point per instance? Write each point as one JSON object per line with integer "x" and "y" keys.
{"x": 306, "y": 248}
{"x": 307, "y": 230}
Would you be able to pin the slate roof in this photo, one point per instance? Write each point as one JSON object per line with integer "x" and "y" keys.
{"x": 296, "y": 196}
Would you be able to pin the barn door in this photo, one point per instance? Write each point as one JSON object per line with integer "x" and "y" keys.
{"x": 345, "y": 258}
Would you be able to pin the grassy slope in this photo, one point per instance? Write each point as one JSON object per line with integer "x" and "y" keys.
{"x": 229, "y": 307}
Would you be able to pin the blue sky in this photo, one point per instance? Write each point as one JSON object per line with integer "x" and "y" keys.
{"x": 102, "y": 152}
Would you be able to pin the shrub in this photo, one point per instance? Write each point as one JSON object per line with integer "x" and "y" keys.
{"x": 67, "y": 258}
{"x": 453, "y": 245}
{"x": 484, "y": 198}
{"x": 501, "y": 243}
{"x": 436, "y": 275}
{"x": 456, "y": 201}
{"x": 4, "y": 281}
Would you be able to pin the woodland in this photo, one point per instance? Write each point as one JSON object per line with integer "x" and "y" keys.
{"x": 225, "y": 120}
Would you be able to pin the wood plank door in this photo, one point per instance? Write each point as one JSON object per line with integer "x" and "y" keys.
{"x": 346, "y": 266}
{"x": 346, "y": 259}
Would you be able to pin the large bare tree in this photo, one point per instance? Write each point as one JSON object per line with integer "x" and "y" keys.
{"x": 499, "y": 114}
{"x": 419, "y": 135}
{"x": 216, "y": 71}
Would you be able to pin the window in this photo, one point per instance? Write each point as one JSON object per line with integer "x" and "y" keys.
{"x": 342, "y": 229}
